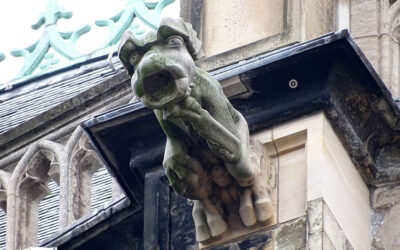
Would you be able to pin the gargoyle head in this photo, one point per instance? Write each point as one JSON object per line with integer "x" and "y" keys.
{"x": 161, "y": 64}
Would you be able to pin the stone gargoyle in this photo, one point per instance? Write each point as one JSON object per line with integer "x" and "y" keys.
{"x": 209, "y": 157}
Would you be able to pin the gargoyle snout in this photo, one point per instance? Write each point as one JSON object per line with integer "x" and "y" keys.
{"x": 158, "y": 81}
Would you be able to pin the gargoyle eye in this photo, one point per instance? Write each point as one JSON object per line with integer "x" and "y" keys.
{"x": 134, "y": 59}
{"x": 175, "y": 41}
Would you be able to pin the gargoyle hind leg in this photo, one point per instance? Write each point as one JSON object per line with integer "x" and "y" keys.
{"x": 207, "y": 219}
{"x": 255, "y": 201}
{"x": 262, "y": 183}
{"x": 262, "y": 202}
{"x": 200, "y": 222}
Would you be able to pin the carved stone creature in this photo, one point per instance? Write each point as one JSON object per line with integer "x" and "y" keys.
{"x": 208, "y": 156}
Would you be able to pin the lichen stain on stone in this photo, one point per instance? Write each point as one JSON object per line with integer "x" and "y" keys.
{"x": 387, "y": 234}
{"x": 291, "y": 235}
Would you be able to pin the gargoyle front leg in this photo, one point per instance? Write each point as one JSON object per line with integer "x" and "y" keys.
{"x": 188, "y": 178}
{"x": 185, "y": 174}
{"x": 229, "y": 147}
{"x": 220, "y": 139}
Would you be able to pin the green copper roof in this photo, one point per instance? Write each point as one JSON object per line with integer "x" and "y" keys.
{"x": 42, "y": 54}
{"x": 123, "y": 20}
{"x": 63, "y": 42}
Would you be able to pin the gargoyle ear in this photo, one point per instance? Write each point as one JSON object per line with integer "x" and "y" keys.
{"x": 126, "y": 48}
{"x": 131, "y": 44}
{"x": 170, "y": 26}
{"x": 195, "y": 43}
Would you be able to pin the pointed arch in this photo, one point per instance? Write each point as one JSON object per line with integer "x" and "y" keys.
{"x": 26, "y": 187}
{"x": 65, "y": 176}
{"x": 83, "y": 164}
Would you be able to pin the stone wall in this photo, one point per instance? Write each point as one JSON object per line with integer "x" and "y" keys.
{"x": 324, "y": 185}
{"x": 319, "y": 198}
{"x": 228, "y": 30}
{"x": 375, "y": 27}
{"x": 237, "y": 30}
{"x": 385, "y": 217}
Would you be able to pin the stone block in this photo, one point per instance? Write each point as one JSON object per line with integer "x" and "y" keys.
{"x": 370, "y": 47}
{"x": 225, "y": 28}
{"x": 388, "y": 235}
{"x": 261, "y": 240}
{"x": 292, "y": 185}
{"x": 364, "y": 17}
{"x": 319, "y": 17}
{"x": 327, "y": 243}
{"x": 332, "y": 230}
{"x": 383, "y": 198}
{"x": 315, "y": 224}
{"x": 324, "y": 231}
{"x": 291, "y": 235}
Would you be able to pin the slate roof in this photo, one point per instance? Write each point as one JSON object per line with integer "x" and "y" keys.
{"x": 48, "y": 208}
{"x": 34, "y": 98}
{"x": 48, "y": 212}
{"x": 2, "y": 229}
{"x": 101, "y": 188}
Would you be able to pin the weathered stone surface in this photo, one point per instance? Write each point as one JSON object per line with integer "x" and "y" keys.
{"x": 364, "y": 18}
{"x": 291, "y": 235}
{"x": 183, "y": 234}
{"x": 254, "y": 241}
{"x": 208, "y": 157}
{"x": 388, "y": 235}
{"x": 332, "y": 230}
{"x": 327, "y": 244}
{"x": 263, "y": 19}
{"x": 370, "y": 47}
{"x": 324, "y": 231}
{"x": 376, "y": 221}
{"x": 292, "y": 184}
{"x": 287, "y": 12}
{"x": 319, "y": 17}
{"x": 374, "y": 25}
{"x": 315, "y": 223}
{"x": 383, "y": 198}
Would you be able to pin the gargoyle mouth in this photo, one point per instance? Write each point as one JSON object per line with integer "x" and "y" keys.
{"x": 159, "y": 85}
{"x": 158, "y": 82}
